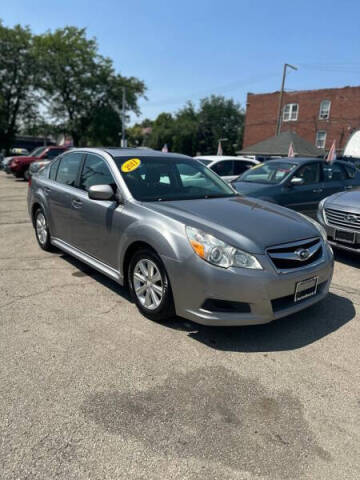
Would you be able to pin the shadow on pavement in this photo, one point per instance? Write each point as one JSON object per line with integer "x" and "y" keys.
{"x": 288, "y": 333}
{"x": 85, "y": 270}
{"x": 347, "y": 258}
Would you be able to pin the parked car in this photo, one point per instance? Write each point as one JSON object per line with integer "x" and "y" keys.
{"x": 340, "y": 216}
{"x": 229, "y": 168}
{"x": 15, "y": 152}
{"x": 192, "y": 248}
{"x": 297, "y": 183}
{"x": 19, "y": 166}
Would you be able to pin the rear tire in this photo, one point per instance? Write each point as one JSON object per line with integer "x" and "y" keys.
{"x": 150, "y": 286}
{"x": 42, "y": 230}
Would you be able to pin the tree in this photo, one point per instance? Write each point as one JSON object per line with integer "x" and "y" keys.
{"x": 18, "y": 66}
{"x": 220, "y": 118}
{"x": 193, "y": 130}
{"x": 81, "y": 88}
{"x": 162, "y": 131}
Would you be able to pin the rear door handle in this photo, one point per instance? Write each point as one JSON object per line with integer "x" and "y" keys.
{"x": 76, "y": 203}
{"x": 317, "y": 190}
{"x": 348, "y": 187}
{"x": 47, "y": 189}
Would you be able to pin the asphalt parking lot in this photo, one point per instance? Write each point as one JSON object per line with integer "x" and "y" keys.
{"x": 90, "y": 389}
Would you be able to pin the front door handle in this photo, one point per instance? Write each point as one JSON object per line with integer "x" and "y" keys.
{"x": 317, "y": 190}
{"x": 348, "y": 187}
{"x": 76, "y": 203}
{"x": 47, "y": 189}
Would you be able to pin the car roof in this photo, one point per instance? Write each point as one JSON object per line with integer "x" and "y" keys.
{"x": 131, "y": 152}
{"x": 220, "y": 157}
{"x": 302, "y": 160}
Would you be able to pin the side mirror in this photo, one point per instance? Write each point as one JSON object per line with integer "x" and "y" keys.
{"x": 101, "y": 192}
{"x": 297, "y": 181}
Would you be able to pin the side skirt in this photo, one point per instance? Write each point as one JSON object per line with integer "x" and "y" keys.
{"x": 91, "y": 261}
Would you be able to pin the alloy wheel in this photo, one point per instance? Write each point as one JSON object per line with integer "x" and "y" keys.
{"x": 41, "y": 228}
{"x": 148, "y": 284}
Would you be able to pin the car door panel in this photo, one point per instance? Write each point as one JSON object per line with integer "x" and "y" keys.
{"x": 305, "y": 198}
{"x": 97, "y": 226}
{"x": 60, "y": 193}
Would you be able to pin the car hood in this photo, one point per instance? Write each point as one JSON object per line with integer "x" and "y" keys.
{"x": 253, "y": 189}
{"x": 345, "y": 200}
{"x": 247, "y": 223}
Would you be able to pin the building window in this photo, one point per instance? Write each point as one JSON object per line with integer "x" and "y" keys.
{"x": 324, "y": 109}
{"x": 290, "y": 112}
{"x": 320, "y": 139}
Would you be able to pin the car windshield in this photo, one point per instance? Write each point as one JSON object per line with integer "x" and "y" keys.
{"x": 268, "y": 173}
{"x": 37, "y": 151}
{"x": 151, "y": 179}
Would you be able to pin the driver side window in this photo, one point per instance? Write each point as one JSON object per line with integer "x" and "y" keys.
{"x": 310, "y": 173}
{"x": 95, "y": 172}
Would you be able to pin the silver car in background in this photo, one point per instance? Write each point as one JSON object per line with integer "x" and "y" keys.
{"x": 179, "y": 237}
{"x": 340, "y": 216}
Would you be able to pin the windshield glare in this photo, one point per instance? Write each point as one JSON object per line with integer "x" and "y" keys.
{"x": 268, "y": 173}
{"x": 165, "y": 179}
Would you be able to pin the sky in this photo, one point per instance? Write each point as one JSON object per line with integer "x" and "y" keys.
{"x": 189, "y": 49}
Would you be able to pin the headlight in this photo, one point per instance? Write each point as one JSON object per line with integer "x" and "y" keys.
{"x": 317, "y": 225}
{"x": 219, "y": 253}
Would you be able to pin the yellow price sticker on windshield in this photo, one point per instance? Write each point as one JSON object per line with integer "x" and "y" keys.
{"x": 130, "y": 165}
{"x": 257, "y": 166}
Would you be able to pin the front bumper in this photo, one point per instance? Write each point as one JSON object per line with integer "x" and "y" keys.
{"x": 330, "y": 231}
{"x": 268, "y": 294}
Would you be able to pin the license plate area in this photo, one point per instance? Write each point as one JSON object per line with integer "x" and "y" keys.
{"x": 342, "y": 236}
{"x": 306, "y": 288}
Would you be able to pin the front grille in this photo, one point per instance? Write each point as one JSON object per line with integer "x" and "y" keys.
{"x": 342, "y": 219}
{"x": 282, "y": 303}
{"x": 296, "y": 255}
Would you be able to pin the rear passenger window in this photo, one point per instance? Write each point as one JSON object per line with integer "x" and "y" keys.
{"x": 95, "y": 172}
{"x": 68, "y": 169}
{"x": 240, "y": 167}
{"x": 351, "y": 171}
{"x": 224, "y": 168}
{"x": 334, "y": 173}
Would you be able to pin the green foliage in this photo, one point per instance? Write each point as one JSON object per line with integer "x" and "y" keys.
{"x": 193, "y": 130}
{"x": 18, "y": 66}
{"x": 82, "y": 89}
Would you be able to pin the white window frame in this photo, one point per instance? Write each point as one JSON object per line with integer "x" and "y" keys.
{"x": 319, "y": 144}
{"x": 290, "y": 112}
{"x": 326, "y": 115}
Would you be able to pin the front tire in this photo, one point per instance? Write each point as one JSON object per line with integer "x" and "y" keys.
{"x": 42, "y": 230}
{"x": 150, "y": 286}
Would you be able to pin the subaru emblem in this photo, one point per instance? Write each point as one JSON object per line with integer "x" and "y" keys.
{"x": 303, "y": 254}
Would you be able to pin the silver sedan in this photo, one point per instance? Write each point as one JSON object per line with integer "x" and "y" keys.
{"x": 179, "y": 237}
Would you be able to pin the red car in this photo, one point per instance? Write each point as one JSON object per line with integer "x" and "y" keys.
{"x": 19, "y": 166}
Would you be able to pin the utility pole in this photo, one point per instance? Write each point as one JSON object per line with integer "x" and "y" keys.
{"x": 123, "y": 141}
{"x": 278, "y": 125}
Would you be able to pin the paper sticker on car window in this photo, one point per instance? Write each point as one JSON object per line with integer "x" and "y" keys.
{"x": 257, "y": 166}
{"x": 130, "y": 165}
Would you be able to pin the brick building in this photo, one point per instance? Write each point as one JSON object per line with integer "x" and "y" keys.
{"x": 319, "y": 116}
